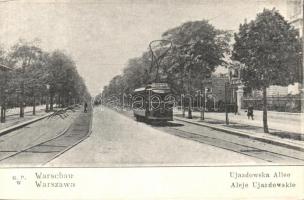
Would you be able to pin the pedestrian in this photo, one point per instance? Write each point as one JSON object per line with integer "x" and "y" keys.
{"x": 85, "y": 106}
{"x": 250, "y": 112}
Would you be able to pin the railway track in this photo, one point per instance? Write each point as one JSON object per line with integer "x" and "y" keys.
{"x": 246, "y": 146}
{"x": 43, "y": 152}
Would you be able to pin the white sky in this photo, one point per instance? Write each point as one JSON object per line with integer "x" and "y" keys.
{"x": 102, "y": 35}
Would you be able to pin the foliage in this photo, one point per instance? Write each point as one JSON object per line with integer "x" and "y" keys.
{"x": 197, "y": 48}
{"x": 271, "y": 50}
{"x": 35, "y": 69}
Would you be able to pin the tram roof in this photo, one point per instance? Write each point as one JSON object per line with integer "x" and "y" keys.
{"x": 154, "y": 87}
{"x": 140, "y": 89}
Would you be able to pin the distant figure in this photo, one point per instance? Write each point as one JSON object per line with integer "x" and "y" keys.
{"x": 85, "y": 106}
{"x": 250, "y": 112}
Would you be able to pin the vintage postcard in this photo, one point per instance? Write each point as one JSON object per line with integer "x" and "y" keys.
{"x": 150, "y": 99}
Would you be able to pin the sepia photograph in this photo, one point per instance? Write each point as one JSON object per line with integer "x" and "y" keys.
{"x": 101, "y": 84}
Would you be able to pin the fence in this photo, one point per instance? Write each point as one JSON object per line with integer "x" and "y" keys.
{"x": 282, "y": 104}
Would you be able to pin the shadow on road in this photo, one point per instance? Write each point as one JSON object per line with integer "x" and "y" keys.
{"x": 165, "y": 124}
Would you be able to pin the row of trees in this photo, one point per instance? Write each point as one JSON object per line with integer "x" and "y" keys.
{"x": 268, "y": 47}
{"x": 186, "y": 53}
{"x": 39, "y": 77}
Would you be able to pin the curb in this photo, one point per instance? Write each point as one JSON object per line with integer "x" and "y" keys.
{"x": 74, "y": 144}
{"x": 243, "y": 134}
{"x": 22, "y": 124}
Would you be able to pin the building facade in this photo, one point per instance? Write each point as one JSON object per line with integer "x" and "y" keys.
{"x": 279, "y": 96}
{"x": 295, "y": 18}
{"x": 295, "y": 14}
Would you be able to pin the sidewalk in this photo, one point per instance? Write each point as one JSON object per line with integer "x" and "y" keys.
{"x": 290, "y": 122}
{"x": 28, "y": 109}
{"x": 284, "y": 130}
{"x": 12, "y": 116}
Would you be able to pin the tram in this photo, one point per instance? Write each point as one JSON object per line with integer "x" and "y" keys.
{"x": 153, "y": 103}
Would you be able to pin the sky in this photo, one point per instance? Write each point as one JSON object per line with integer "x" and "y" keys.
{"x": 102, "y": 35}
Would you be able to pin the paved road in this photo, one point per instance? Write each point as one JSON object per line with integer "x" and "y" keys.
{"x": 118, "y": 140}
{"x": 273, "y": 154}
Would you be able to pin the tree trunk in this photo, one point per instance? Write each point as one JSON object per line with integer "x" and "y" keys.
{"x": 59, "y": 101}
{"x": 190, "y": 97}
{"x": 47, "y": 103}
{"x": 265, "y": 124}
{"x": 52, "y": 102}
{"x": 22, "y": 100}
{"x": 34, "y": 105}
{"x": 22, "y": 92}
{"x": 2, "y": 114}
{"x": 2, "y": 105}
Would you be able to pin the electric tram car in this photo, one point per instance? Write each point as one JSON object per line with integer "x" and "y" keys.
{"x": 153, "y": 103}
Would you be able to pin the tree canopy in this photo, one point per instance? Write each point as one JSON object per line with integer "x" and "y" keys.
{"x": 35, "y": 69}
{"x": 271, "y": 50}
{"x": 193, "y": 49}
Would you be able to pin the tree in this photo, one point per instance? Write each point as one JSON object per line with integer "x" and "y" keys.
{"x": 62, "y": 76}
{"x": 198, "y": 48}
{"x": 24, "y": 55}
{"x": 269, "y": 47}
{"x": 187, "y": 52}
{"x": 34, "y": 69}
{"x": 3, "y": 84}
